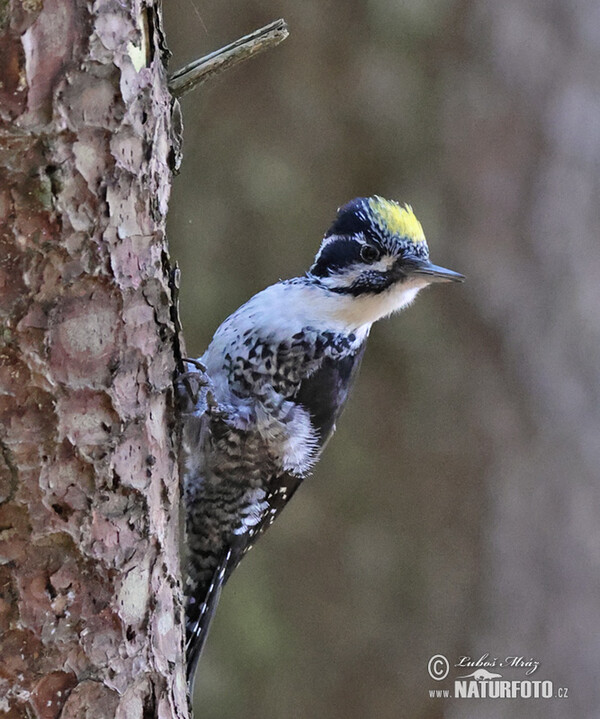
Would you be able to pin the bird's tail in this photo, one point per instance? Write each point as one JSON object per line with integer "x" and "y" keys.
{"x": 200, "y": 618}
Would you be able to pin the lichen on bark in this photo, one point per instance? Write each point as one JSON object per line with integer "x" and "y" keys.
{"x": 90, "y": 607}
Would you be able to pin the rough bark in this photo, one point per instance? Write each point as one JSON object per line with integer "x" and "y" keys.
{"x": 90, "y": 621}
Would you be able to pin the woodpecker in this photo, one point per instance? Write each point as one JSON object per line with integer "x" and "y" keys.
{"x": 280, "y": 370}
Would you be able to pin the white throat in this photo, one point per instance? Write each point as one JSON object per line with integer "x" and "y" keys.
{"x": 365, "y": 309}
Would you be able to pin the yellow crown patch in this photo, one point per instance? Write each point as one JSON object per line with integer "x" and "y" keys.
{"x": 395, "y": 219}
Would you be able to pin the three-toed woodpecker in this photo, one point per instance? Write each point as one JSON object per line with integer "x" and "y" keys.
{"x": 280, "y": 369}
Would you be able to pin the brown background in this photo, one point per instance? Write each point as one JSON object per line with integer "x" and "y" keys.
{"x": 456, "y": 510}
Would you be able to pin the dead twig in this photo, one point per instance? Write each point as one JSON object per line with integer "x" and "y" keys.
{"x": 189, "y": 77}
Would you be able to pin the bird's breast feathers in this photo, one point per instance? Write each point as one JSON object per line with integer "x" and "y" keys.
{"x": 283, "y": 373}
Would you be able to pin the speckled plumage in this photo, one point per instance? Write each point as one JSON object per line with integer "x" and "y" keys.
{"x": 281, "y": 368}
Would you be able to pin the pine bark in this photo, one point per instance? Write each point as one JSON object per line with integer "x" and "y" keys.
{"x": 90, "y": 604}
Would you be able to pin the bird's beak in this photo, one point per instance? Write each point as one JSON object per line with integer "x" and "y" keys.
{"x": 433, "y": 273}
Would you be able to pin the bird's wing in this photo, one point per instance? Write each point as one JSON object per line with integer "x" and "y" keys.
{"x": 324, "y": 393}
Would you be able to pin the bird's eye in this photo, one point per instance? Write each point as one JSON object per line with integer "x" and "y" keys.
{"x": 368, "y": 253}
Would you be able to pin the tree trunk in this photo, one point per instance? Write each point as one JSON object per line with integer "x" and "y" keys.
{"x": 90, "y": 605}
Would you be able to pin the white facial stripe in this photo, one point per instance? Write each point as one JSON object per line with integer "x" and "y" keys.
{"x": 383, "y": 265}
{"x": 347, "y": 276}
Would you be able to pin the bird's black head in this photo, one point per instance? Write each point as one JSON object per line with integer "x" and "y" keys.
{"x": 372, "y": 245}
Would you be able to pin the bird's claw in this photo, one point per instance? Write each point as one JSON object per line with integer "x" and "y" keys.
{"x": 190, "y": 385}
{"x": 213, "y": 408}
{"x": 197, "y": 364}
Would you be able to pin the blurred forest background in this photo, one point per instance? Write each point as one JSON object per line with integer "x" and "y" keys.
{"x": 457, "y": 509}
